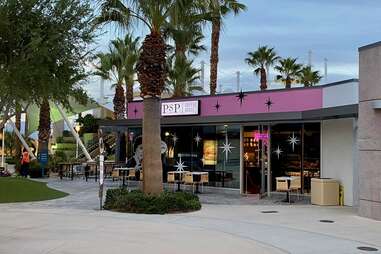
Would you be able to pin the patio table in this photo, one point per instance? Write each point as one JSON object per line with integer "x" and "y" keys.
{"x": 178, "y": 178}
{"x": 197, "y": 179}
{"x": 124, "y": 171}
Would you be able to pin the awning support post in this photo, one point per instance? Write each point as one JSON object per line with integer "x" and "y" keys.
{"x": 21, "y": 138}
{"x": 75, "y": 134}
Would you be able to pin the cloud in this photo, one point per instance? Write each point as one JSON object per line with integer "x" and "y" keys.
{"x": 331, "y": 29}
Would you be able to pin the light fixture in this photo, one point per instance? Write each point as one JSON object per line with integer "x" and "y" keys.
{"x": 166, "y": 133}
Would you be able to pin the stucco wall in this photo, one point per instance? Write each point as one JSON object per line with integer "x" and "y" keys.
{"x": 337, "y": 154}
{"x": 369, "y": 132}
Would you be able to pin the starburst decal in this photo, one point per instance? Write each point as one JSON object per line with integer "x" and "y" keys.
{"x": 278, "y": 152}
{"x": 269, "y": 103}
{"x": 174, "y": 139}
{"x": 180, "y": 165}
{"x": 293, "y": 141}
{"x": 197, "y": 139}
{"x": 226, "y": 147}
{"x": 241, "y": 96}
{"x": 217, "y": 106}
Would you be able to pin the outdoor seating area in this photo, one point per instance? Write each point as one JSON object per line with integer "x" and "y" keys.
{"x": 193, "y": 181}
{"x": 288, "y": 184}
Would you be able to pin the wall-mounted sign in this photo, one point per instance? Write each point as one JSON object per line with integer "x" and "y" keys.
{"x": 180, "y": 108}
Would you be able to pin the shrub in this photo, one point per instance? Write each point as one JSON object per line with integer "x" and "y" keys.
{"x": 122, "y": 200}
{"x": 35, "y": 169}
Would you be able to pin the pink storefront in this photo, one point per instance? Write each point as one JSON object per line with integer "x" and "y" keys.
{"x": 247, "y": 139}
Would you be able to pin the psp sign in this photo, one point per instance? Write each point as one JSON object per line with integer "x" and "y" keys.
{"x": 180, "y": 108}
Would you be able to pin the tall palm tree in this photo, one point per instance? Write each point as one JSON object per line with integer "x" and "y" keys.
{"x": 152, "y": 74}
{"x": 110, "y": 68}
{"x": 182, "y": 77}
{"x": 308, "y": 77}
{"x": 185, "y": 30}
{"x": 219, "y": 9}
{"x": 185, "y": 27}
{"x": 127, "y": 55}
{"x": 289, "y": 71}
{"x": 261, "y": 59}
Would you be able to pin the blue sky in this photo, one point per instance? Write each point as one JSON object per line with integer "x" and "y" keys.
{"x": 332, "y": 29}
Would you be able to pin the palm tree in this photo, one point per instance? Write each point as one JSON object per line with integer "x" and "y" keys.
{"x": 44, "y": 125}
{"x": 261, "y": 59}
{"x": 182, "y": 77}
{"x": 186, "y": 32}
{"x": 185, "y": 29}
{"x": 308, "y": 77}
{"x": 219, "y": 9}
{"x": 152, "y": 74}
{"x": 127, "y": 55}
{"x": 111, "y": 68}
{"x": 289, "y": 71}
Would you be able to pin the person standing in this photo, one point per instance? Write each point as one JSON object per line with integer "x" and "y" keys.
{"x": 25, "y": 160}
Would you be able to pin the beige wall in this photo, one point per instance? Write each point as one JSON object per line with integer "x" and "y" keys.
{"x": 337, "y": 154}
{"x": 369, "y": 132}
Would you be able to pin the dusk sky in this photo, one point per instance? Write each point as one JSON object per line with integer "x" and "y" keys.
{"x": 332, "y": 29}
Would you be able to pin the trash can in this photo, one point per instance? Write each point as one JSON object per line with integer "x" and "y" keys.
{"x": 324, "y": 191}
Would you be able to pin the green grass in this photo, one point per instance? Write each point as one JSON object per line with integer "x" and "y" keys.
{"x": 23, "y": 190}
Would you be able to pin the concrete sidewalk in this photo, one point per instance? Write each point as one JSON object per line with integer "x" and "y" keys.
{"x": 73, "y": 225}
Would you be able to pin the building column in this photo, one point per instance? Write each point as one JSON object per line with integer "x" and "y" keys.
{"x": 369, "y": 132}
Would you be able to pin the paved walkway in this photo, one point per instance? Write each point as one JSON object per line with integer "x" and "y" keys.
{"x": 73, "y": 225}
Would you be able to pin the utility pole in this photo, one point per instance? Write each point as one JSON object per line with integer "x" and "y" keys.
{"x": 326, "y": 70}
{"x": 238, "y": 80}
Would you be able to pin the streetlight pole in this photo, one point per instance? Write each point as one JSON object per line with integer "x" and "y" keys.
{"x": 2, "y": 146}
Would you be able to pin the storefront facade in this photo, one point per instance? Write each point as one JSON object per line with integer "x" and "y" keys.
{"x": 245, "y": 140}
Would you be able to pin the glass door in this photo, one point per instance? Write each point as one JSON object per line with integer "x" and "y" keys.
{"x": 255, "y": 142}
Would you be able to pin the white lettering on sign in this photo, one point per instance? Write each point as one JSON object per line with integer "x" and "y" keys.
{"x": 180, "y": 108}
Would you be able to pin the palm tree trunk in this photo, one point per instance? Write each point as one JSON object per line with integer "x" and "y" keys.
{"x": 18, "y": 126}
{"x": 216, "y": 28}
{"x": 119, "y": 102}
{"x": 129, "y": 92}
{"x": 152, "y": 74}
{"x": 44, "y": 126}
{"x": 288, "y": 83}
{"x": 152, "y": 166}
{"x": 263, "y": 79}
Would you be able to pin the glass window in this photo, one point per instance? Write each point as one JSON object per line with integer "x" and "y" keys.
{"x": 292, "y": 144}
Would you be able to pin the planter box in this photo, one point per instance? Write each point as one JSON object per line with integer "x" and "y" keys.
{"x": 324, "y": 191}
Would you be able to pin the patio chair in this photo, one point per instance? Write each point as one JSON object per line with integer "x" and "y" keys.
{"x": 282, "y": 186}
{"x": 171, "y": 179}
{"x": 296, "y": 185}
{"x": 115, "y": 174}
{"x": 188, "y": 180}
{"x": 204, "y": 180}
